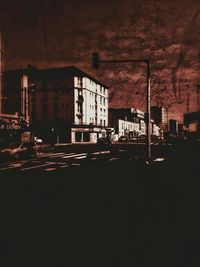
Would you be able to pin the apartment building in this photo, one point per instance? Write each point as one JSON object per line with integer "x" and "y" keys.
{"x": 64, "y": 103}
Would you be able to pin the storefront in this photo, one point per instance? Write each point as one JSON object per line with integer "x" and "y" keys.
{"x": 86, "y": 134}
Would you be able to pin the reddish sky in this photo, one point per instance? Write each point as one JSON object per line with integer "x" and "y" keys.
{"x": 59, "y": 33}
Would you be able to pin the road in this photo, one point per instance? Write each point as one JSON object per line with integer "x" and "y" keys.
{"x": 66, "y": 156}
{"x": 105, "y": 209}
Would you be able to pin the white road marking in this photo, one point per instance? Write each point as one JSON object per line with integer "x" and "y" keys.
{"x": 76, "y": 164}
{"x": 61, "y": 154}
{"x": 50, "y": 169}
{"x": 49, "y": 154}
{"x": 14, "y": 162}
{"x": 64, "y": 166}
{"x": 38, "y": 166}
{"x": 101, "y": 152}
{"x": 15, "y": 165}
{"x": 73, "y": 156}
{"x": 82, "y": 157}
{"x": 10, "y": 167}
{"x": 159, "y": 159}
{"x": 113, "y": 159}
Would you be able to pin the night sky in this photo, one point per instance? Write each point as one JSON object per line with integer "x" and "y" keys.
{"x": 66, "y": 32}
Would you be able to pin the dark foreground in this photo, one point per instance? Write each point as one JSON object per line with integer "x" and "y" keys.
{"x": 104, "y": 213}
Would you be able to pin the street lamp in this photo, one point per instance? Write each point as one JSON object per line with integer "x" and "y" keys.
{"x": 96, "y": 62}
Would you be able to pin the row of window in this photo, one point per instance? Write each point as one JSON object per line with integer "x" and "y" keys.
{"x": 102, "y": 122}
{"x": 101, "y": 109}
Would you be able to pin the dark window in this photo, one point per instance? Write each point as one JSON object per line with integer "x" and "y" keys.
{"x": 78, "y": 136}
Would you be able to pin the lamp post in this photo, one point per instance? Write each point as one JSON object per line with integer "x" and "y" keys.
{"x": 96, "y": 62}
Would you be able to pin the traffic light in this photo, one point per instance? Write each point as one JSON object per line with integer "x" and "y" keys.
{"x": 95, "y": 60}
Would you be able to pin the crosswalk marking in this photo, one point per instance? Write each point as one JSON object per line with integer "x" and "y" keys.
{"x": 73, "y": 156}
{"x": 75, "y": 164}
{"x": 62, "y": 154}
{"x": 38, "y": 166}
{"x": 11, "y": 167}
{"x": 81, "y": 157}
{"x": 49, "y": 154}
{"x": 101, "y": 152}
{"x": 64, "y": 166}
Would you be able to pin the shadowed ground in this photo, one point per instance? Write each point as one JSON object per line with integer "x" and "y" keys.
{"x": 104, "y": 213}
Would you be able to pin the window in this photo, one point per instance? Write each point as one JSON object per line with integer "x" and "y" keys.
{"x": 79, "y": 82}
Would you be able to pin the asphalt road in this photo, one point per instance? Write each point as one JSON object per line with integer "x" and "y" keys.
{"x": 106, "y": 209}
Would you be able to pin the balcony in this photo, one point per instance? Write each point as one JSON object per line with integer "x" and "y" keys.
{"x": 79, "y": 114}
{"x": 80, "y": 99}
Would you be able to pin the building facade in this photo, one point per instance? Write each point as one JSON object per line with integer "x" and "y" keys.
{"x": 192, "y": 121}
{"x": 63, "y": 104}
{"x": 158, "y": 114}
{"x": 130, "y": 122}
{"x": 173, "y": 126}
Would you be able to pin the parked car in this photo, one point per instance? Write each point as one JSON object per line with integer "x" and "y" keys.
{"x": 123, "y": 139}
{"x": 104, "y": 141}
{"x": 133, "y": 139}
{"x": 19, "y": 149}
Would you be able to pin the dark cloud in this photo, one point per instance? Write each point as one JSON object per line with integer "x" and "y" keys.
{"x": 57, "y": 33}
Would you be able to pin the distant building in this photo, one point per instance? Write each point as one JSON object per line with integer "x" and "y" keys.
{"x": 181, "y": 128}
{"x": 126, "y": 122}
{"x": 173, "y": 126}
{"x": 158, "y": 114}
{"x": 192, "y": 121}
{"x": 64, "y": 104}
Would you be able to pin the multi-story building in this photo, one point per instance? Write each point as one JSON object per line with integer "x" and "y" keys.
{"x": 66, "y": 102}
{"x": 173, "y": 126}
{"x": 130, "y": 122}
{"x": 158, "y": 114}
{"x": 127, "y": 122}
{"x": 192, "y": 121}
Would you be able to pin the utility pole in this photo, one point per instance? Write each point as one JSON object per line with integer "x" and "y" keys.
{"x": 188, "y": 102}
{"x": 96, "y": 62}
{"x": 198, "y": 95}
{"x": 1, "y": 93}
{"x": 148, "y": 113}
